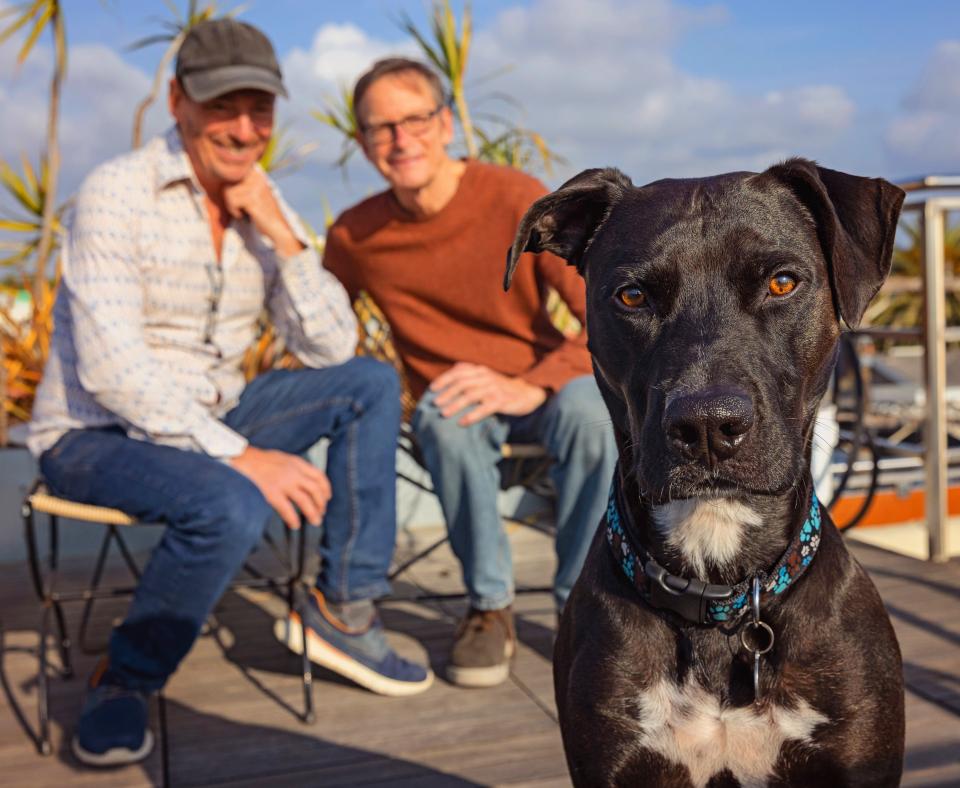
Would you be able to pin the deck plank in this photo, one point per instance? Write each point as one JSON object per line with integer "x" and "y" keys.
{"x": 224, "y": 730}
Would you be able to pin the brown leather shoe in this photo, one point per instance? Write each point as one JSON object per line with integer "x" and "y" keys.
{"x": 483, "y": 646}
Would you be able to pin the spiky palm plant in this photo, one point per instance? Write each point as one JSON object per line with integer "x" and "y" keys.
{"x": 340, "y": 115}
{"x": 37, "y": 16}
{"x": 285, "y": 154}
{"x": 449, "y": 50}
{"x": 25, "y": 343}
{"x": 519, "y": 148}
{"x": 900, "y": 303}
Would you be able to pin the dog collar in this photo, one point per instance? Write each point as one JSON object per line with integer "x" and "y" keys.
{"x": 692, "y": 598}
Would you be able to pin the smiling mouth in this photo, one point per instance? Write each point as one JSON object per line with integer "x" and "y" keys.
{"x": 233, "y": 152}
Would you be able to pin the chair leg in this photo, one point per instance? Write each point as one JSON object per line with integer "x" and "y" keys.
{"x": 36, "y": 575}
{"x": 94, "y": 585}
{"x": 45, "y": 590}
{"x": 309, "y": 715}
{"x": 63, "y": 641}
{"x": 295, "y": 582}
{"x": 43, "y": 688}
{"x": 125, "y": 552}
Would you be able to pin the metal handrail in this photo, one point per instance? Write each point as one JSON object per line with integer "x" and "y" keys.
{"x": 926, "y": 198}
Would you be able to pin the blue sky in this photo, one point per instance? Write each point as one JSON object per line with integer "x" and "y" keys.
{"x": 657, "y": 87}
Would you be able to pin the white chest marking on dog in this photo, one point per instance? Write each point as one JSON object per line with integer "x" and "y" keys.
{"x": 689, "y": 726}
{"x": 704, "y": 532}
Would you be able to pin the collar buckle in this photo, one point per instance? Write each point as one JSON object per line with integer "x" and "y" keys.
{"x": 687, "y": 597}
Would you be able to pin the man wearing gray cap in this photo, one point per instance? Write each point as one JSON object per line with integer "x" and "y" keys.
{"x": 173, "y": 253}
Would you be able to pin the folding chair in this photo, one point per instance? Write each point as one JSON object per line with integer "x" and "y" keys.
{"x": 44, "y": 573}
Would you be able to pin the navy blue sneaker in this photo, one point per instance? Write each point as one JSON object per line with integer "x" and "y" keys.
{"x": 363, "y": 656}
{"x": 112, "y": 729}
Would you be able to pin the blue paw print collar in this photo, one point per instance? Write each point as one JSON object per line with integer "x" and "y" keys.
{"x": 693, "y": 599}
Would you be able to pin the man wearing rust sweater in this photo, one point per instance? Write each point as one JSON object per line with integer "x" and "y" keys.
{"x": 486, "y": 367}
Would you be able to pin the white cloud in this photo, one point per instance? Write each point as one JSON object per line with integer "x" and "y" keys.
{"x": 600, "y": 81}
{"x": 96, "y": 115}
{"x": 924, "y": 138}
{"x": 338, "y": 54}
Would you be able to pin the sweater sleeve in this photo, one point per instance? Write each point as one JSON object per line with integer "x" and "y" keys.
{"x": 571, "y": 358}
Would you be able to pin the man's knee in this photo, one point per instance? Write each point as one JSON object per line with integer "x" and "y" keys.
{"x": 366, "y": 375}
{"x": 581, "y": 422}
{"x": 231, "y": 510}
{"x": 445, "y": 435}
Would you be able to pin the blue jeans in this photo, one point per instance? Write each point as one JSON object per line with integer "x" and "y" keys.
{"x": 215, "y": 515}
{"x": 574, "y": 426}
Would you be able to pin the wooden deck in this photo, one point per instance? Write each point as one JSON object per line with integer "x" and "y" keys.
{"x": 224, "y": 729}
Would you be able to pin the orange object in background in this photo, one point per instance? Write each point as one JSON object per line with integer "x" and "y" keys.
{"x": 890, "y": 508}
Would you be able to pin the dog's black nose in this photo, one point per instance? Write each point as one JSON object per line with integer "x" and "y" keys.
{"x": 709, "y": 425}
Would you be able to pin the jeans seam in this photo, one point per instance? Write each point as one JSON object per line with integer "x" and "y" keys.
{"x": 276, "y": 418}
{"x": 354, "y": 506}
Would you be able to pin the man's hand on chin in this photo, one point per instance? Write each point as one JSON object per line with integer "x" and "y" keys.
{"x": 253, "y": 198}
{"x": 489, "y": 392}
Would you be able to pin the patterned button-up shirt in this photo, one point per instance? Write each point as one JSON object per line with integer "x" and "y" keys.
{"x": 150, "y": 329}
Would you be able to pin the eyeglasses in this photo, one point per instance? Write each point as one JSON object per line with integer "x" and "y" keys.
{"x": 417, "y": 125}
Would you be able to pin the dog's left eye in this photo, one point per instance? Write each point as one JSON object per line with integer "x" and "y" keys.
{"x": 781, "y": 285}
{"x": 632, "y": 297}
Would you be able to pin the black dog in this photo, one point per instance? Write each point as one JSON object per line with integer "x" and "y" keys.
{"x": 713, "y": 313}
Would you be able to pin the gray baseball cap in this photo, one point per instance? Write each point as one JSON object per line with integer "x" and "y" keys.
{"x": 222, "y": 55}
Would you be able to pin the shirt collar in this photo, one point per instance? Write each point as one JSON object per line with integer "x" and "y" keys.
{"x": 173, "y": 163}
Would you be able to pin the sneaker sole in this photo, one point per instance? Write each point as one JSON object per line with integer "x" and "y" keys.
{"x": 115, "y": 756}
{"x": 481, "y": 678}
{"x": 322, "y": 653}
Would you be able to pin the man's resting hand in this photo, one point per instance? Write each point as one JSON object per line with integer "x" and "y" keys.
{"x": 489, "y": 392}
{"x": 286, "y": 481}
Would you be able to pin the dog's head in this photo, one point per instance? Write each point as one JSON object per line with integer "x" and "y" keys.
{"x": 713, "y": 311}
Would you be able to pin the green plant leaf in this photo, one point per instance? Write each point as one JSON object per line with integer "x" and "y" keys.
{"x": 42, "y": 18}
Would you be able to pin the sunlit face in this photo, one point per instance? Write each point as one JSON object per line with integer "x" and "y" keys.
{"x": 225, "y": 136}
{"x": 407, "y": 160}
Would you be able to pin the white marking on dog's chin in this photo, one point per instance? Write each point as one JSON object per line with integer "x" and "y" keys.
{"x": 704, "y": 532}
{"x": 688, "y": 726}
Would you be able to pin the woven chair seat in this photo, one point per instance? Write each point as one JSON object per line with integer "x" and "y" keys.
{"x": 43, "y": 501}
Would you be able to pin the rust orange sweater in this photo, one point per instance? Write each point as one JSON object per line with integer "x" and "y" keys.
{"x": 439, "y": 281}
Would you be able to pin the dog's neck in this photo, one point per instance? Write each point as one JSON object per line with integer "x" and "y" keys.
{"x": 719, "y": 540}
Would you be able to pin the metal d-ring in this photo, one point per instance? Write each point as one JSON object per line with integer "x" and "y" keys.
{"x": 756, "y": 626}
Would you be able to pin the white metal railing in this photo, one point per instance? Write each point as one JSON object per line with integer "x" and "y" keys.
{"x": 926, "y": 197}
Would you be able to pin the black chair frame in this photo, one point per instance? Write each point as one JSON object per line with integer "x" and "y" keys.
{"x": 45, "y": 570}
{"x": 523, "y": 464}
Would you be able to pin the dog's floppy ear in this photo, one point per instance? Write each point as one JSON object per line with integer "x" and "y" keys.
{"x": 565, "y": 221}
{"x": 856, "y": 222}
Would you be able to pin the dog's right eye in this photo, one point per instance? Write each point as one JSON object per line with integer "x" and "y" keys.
{"x": 632, "y": 297}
